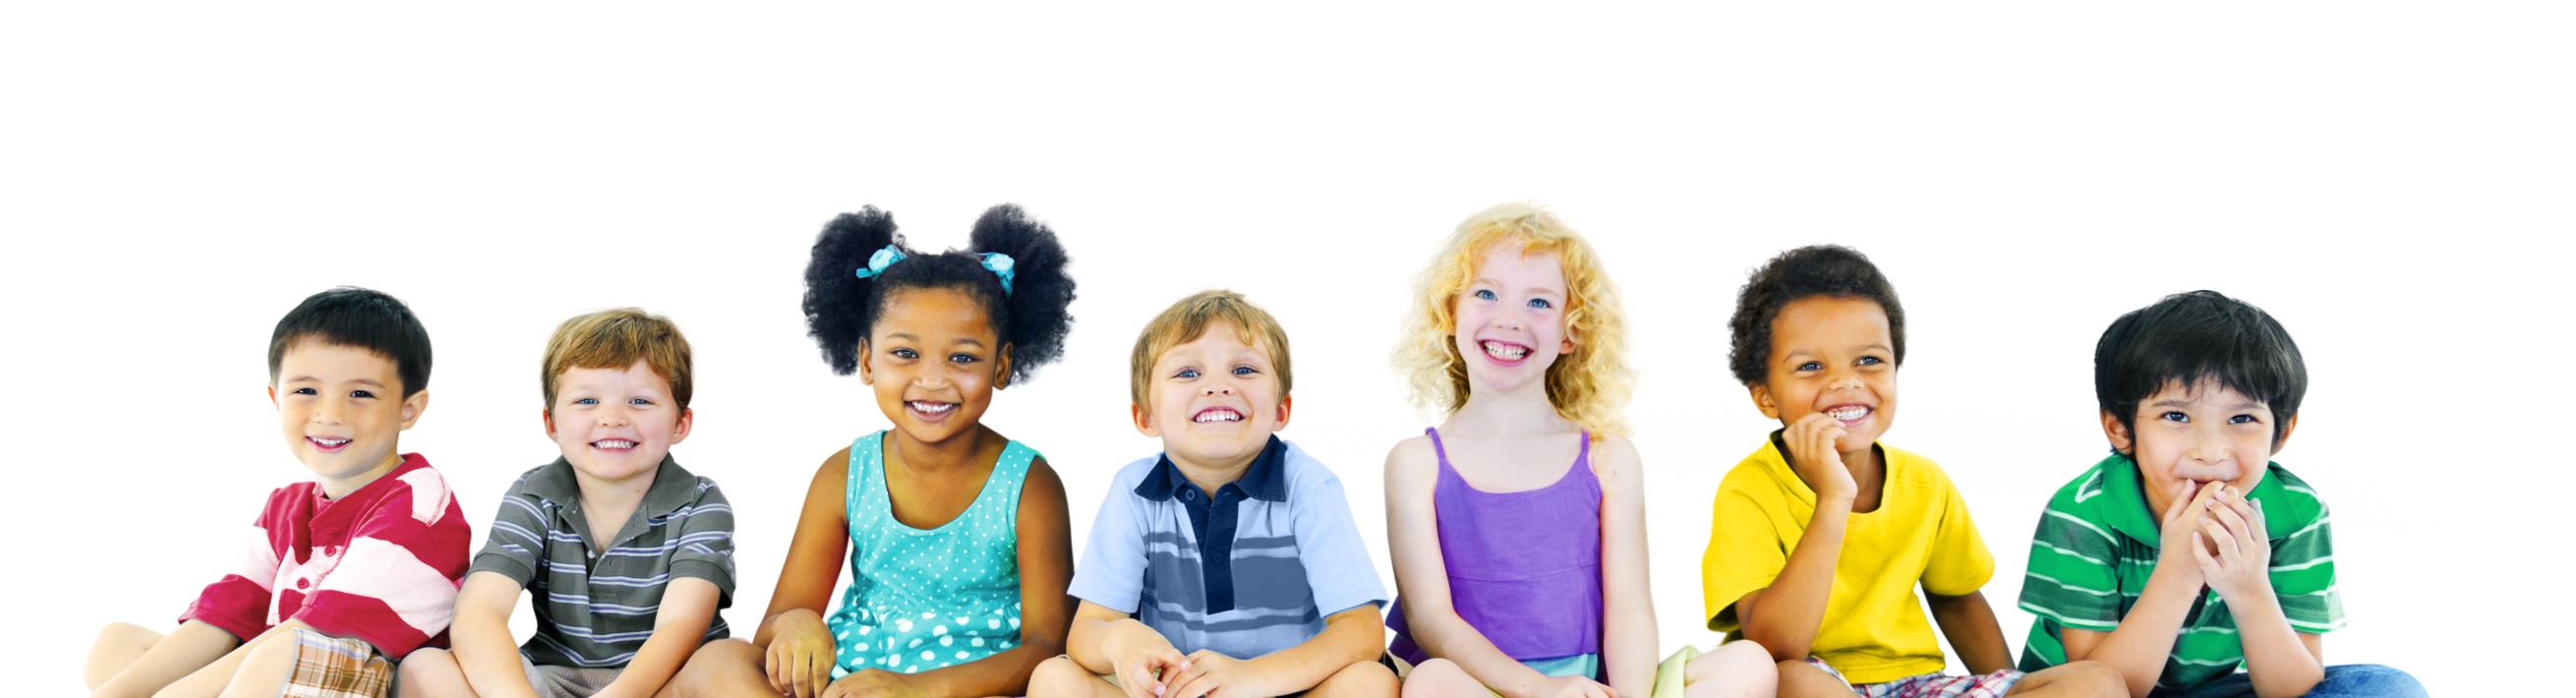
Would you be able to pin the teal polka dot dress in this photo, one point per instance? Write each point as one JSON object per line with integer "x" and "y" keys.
{"x": 924, "y": 599}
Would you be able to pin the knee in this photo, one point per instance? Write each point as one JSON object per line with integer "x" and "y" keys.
{"x": 1363, "y": 678}
{"x": 2091, "y": 675}
{"x": 718, "y": 663}
{"x": 1739, "y": 668}
{"x": 2370, "y": 680}
{"x": 1060, "y": 676}
{"x": 1439, "y": 677}
{"x": 428, "y": 671}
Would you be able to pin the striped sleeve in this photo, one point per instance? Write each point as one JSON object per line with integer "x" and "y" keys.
{"x": 2074, "y": 574}
{"x": 238, "y": 603}
{"x": 396, "y": 585}
{"x": 516, "y": 545}
{"x": 2303, "y": 576}
{"x": 705, "y": 547}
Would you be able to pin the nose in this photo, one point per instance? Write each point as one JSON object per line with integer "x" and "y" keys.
{"x": 326, "y": 412}
{"x": 2207, "y": 446}
{"x": 613, "y": 416}
{"x": 1219, "y": 388}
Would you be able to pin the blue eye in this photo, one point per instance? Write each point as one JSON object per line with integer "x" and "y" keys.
{"x": 2174, "y": 416}
{"x": 1540, "y": 303}
{"x": 588, "y": 401}
{"x": 1244, "y": 371}
{"x": 1484, "y": 294}
{"x": 1187, "y": 373}
{"x": 640, "y": 401}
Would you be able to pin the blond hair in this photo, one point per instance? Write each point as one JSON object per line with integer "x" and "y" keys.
{"x": 1188, "y": 319}
{"x": 617, "y": 339}
{"x": 1589, "y": 386}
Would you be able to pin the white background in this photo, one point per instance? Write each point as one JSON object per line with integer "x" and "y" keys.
{"x": 2392, "y": 181}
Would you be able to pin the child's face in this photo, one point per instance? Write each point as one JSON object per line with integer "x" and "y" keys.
{"x": 342, "y": 408}
{"x": 1832, "y": 355}
{"x": 1215, "y": 400}
{"x": 2193, "y": 435}
{"x": 934, "y": 361}
{"x": 1511, "y": 318}
{"x": 615, "y": 423}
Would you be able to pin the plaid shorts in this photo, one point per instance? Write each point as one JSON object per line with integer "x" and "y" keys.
{"x": 330, "y": 667}
{"x": 1993, "y": 685}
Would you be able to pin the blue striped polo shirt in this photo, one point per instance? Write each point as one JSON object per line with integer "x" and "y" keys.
{"x": 1254, "y": 569}
{"x": 594, "y": 609}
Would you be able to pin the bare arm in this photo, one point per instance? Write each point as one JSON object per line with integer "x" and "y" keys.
{"x": 1628, "y": 598}
{"x": 220, "y": 676}
{"x": 1045, "y": 535}
{"x": 1785, "y": 616}
{"x": 688, "y": 607}
{"x": 1106, "y": 642}
{"x": 2145, "y": 637}
{"x": 798, "y": 650}
{"x": 480, "y": 637}
{"x": 1422, "y": 576}
{"x": 193, "y": 646}
{"x": 1349, "y": 637}
{"x": 1970, "y": 624}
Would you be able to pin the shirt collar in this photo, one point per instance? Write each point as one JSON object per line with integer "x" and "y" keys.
{"x": 1266, "y": 479}
{"x": 673, "y": 486}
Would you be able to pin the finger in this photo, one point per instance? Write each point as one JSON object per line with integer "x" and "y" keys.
{"x": 1605, "y": 690}
{"x": 2185, "y": 493}
{"x": 2230, "y": 516}
{"x": 822, "y": 672}
{"x": 769, "y": 670}
{"x": 2200, "y": 553}
{"x": 835, "y": 690}
{"x": 1193, "y": 686}
{"x": 1139, "y": 680}
{"x": 2223, "y": 540}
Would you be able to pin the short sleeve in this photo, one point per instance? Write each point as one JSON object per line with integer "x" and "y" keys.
{"x": 238, "y": 603}
{"x": 1745, "y": 551}
{"x": 1960, "y": 563}
{"x": 705, "y": 544}
{"x": 1336, "y": 559}
{"x": 1112, "y": 571}
{"x": 2072, "y": 578}
{"x": 2303, "y": 576}
{"x": 516, "y": 545}
{"x": 395, "y": 586}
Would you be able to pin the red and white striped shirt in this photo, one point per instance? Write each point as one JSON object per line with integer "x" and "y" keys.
{"x": 382, "y": 564}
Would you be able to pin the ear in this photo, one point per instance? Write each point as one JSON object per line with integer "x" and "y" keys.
{"x": 2119, "y": 434}
{"x": 1283, "y": 414}
{"x": 867, "y": 374}
{"x": 1002, "y": 368}
{"x": 272, "y": 397}
{"x": 680, "y": 429}
{"x": 2284, "y": 438}
{"x": 1762, "y": 400}
{"x": 548, "y": 414}
{"x": 1144, "y": 421}
{"x": 412, "y": 407}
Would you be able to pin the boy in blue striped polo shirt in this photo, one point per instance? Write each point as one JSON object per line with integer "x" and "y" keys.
{"x": 1230, "y": 562}
{"x": 626, "y": 557}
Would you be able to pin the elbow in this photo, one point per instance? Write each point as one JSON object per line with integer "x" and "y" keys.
{"x": 1781, "y": 649}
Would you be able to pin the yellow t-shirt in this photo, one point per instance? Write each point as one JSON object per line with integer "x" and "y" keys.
{"x": 1874, "y": 629}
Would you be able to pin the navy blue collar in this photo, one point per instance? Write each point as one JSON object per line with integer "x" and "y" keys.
{"x": 1266, "y": 480}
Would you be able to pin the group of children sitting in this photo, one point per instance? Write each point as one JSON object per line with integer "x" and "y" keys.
{"x": 2185, "y": 562}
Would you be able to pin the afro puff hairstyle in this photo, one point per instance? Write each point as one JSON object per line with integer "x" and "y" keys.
{"x": 2196, "y": 336}
{"x": 1806, "y": 272}
{"x": 1032, "y": 318}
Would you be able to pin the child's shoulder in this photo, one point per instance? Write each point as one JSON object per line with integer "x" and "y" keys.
{"x": 2289, "y": 503}
{"x": 419, "y": 487}
{"x": 2082, "y": 496}
{"x": 1132, "y": 474}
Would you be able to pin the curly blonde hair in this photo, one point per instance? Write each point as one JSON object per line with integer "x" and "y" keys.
{"x": 1589, "y": 386}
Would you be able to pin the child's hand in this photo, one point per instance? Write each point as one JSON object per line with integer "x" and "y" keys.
{"x": 1209, "y": 673}
{"x": 1580, "y": 687}
{"x": 873, "y": 683}
{"x": 1812, "y": 453}
{"x": 2242, "y": 567}
{"x": 801, "y": 655}
{"x": 2179, "y": 532}
{"x": 1148, "y": 665}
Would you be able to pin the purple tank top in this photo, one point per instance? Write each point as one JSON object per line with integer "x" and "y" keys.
{"x": 1524, "y": 567}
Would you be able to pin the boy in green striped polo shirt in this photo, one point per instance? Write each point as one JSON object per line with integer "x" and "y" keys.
{"x": 2187, "y": 554}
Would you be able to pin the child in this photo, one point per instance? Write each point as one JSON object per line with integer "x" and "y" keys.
{"x": 957, "y": 541}
{"x": 2197, "y": 392}
{"x": 1229, "y": 563}
{"x": 1822, "y": 535}
{"x": 1518, "y": 525}
{"x": 625, "y": 556}
{"x": 347, "y": 573}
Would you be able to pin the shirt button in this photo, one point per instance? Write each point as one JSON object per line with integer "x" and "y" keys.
{"x": 303, "y": 583}
{"x": 332, "y": 551}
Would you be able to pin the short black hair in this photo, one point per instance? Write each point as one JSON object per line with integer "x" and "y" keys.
{"x": 355, "y": 317}
{"x": 1032, "y": 317}
{"x": 1806, "y": 272}
{"x": 2190, "y": 337}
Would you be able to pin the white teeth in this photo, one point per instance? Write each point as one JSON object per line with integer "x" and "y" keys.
{"x": 1219, "y": 415}
{"x": 330, "y": 443}
{"x": 1505, "y": 352}
{"x": 933, "y": 407}
{"x": 615, "y": 444}
{"x": 1848, "y": 413}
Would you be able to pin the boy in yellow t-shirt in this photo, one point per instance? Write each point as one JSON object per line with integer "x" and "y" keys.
{"x": 1822, "y": 535}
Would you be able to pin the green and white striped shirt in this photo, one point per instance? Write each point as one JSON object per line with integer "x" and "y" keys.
{"x": 2097, "y": 543}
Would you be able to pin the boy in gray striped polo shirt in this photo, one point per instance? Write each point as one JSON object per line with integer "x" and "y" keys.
{"x": 2187, "y": 554}
{"x": 1230, "y": 562}
{"x": 626, "y": 556}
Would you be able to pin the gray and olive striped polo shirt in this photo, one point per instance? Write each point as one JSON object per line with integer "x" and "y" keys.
{"x": 595, "y": 607}
{"x": 2097, "y": 545}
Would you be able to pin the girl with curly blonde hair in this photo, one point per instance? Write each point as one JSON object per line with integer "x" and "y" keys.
{"x": 1518, "y": 525}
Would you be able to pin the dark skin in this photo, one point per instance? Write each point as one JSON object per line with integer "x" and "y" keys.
{"x": 933, "y": 348}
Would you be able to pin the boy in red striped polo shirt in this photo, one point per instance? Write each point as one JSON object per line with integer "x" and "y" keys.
{"x": 345, "y": 573}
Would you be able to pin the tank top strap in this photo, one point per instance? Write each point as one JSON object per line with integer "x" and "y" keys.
{"x": 1010, "y": 475}
{"x": 861, "y": 494}
{"x": 1447, "y": 471}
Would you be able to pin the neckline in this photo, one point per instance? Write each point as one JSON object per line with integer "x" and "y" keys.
{"x": 1582, "y": 456}
{"x": 886, "y": 487}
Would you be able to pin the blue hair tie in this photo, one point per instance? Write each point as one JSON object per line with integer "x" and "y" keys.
{"x": 878, "y": 262}
{"x": 1000, "y": 264}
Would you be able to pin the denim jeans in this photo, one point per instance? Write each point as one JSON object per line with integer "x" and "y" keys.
{"x": 2341, "y": 680}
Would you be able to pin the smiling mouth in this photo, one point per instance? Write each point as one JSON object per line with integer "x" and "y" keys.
{"x": 1849, "y": 413}
{"x": 326, "y": 444}
{"x": 1505, "y": 351}
{"x": 929, "y": 408}
{"x": 1215, "y": 415}
{"x": 613, "y": 445}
